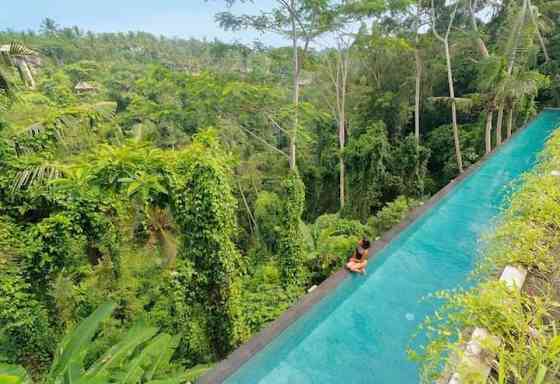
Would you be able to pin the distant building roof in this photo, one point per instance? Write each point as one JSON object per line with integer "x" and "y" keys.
{"x": 20, "y": 49}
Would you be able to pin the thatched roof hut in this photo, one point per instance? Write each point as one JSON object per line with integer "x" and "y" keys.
{"x": 85, "y": 87}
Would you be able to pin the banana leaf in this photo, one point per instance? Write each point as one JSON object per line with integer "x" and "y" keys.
{"x": 74, "y": 346}
{"x": 117, "y": 356}
{"x": 13, "y": 374}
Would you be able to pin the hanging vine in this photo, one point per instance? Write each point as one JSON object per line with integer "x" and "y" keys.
{"x": 204, "y": 208}
{"x": 26, "y": 333}
{"x": 290, "y": 244}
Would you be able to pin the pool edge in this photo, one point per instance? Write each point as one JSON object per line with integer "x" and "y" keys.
{"x": 245, "y": 352}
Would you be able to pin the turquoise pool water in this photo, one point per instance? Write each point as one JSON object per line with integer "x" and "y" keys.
{"x": 359, "y": 333}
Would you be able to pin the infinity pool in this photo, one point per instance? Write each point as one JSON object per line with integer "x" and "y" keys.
{"x": 359, "y": 333}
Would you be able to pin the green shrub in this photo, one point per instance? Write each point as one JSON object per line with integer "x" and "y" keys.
{"x": 333, "y": 225}
{"x": 141, "y": 355}
{"x": 204, "y": 209}
{"x": 440, "y": 143}
{"x": 25, "y": 334}
{"x": 264, "y": 297}
{"x": 291, "y": 243}
{"x": 268, "y": 211}
{"x": 528, "y": 338}
{"x": 335, "y": 239}
{"x": 367, "y": 155}
{"x": 391, "y": 214}
{"x": 175, "y": 311}
{"x": 53, "y": 248}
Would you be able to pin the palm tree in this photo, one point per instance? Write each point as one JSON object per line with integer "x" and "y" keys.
{"x": 338, "y": 65}
{"x": 492, "y": 72}
{"x": 68, "y": 130}
{"x": 445, "y": 41}
{"x": 521, "y": 85}
{"x": 149, "y": 194}
{"x": 521, "y": 31}
{"x": 516, "y": 82}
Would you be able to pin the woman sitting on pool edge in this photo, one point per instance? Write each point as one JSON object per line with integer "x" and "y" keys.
{"x": 359, "y": 259}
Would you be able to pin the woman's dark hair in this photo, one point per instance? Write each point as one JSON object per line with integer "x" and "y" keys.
{"x": 365, "y": 242}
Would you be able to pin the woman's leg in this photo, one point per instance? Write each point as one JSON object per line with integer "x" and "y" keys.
{"x": 352, "y": 265}
{"x": 362, "y": 267}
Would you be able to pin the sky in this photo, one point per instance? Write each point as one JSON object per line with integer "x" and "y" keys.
{"x": 171, "y": 18}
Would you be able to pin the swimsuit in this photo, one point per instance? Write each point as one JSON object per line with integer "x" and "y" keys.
{"x": 360, "y": 253}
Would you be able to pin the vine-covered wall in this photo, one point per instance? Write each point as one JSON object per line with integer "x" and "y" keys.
{"x": 204, "y": 208}
{"x": 290, "y": 244}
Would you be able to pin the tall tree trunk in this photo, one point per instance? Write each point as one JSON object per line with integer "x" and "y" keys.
{"x": 510, "y": 122}
{"x": 445, "y": 42}
{"x": 456, "y": 140}
{"x": 296, "y": 73}
{"x": 499, "y": 124}
{"x": 342, "y": 141}
{"x": 482, "y": 47}
{"x": 342, "y": 75}
{"x": 419, "y": 68}
{"x": 488, "y": 131}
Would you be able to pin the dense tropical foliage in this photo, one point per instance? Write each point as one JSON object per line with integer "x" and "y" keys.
{"x": 201, "y": 187}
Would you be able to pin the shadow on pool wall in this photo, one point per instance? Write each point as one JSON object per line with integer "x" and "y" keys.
{"x": 312, "y": 302}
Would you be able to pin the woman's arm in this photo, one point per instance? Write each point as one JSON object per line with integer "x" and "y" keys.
{"x": 364, "y": 258}
{"x": 365, "y": 255}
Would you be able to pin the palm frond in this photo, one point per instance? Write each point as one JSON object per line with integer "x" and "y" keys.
{"x": 179, "y": 379}
{"x": 523, "y": 84}
{"x": 37, "y": 174}
{"x": 71, "y": 126}
{"x": 492, "y": 71}
{"x": 550, "y": 6}
{"x": 463, "y": 104}
{"x": 518, "y": 35}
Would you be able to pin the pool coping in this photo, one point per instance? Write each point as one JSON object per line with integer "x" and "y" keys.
{"x": 245, "y": 352}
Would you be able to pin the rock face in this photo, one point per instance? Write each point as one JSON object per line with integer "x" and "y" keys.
{"x": 474, "y": 360}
